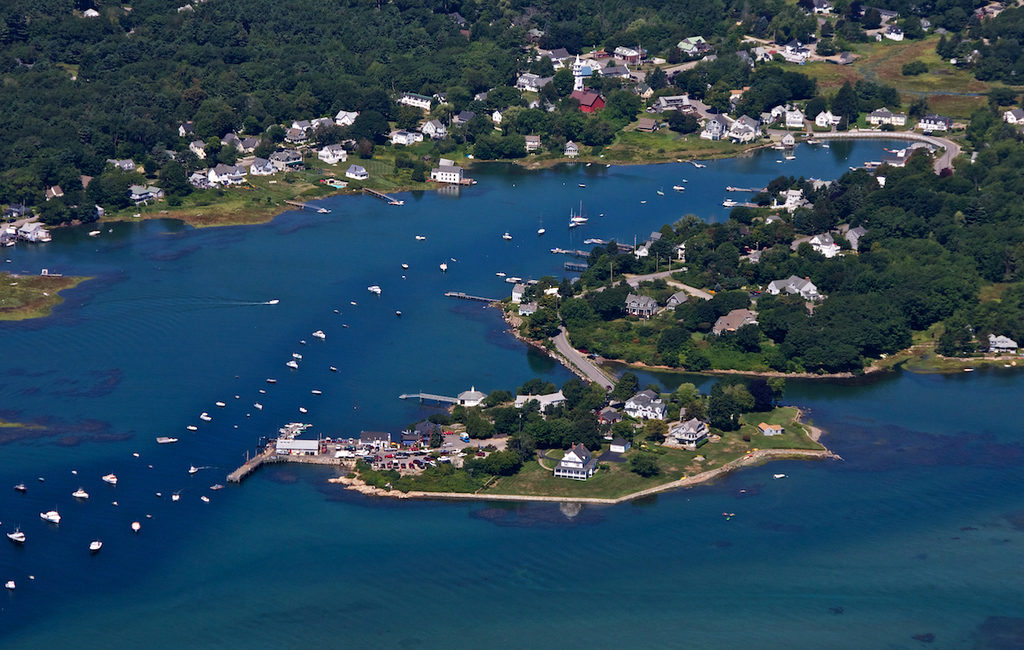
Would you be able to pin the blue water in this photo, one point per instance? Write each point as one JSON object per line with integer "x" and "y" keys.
{"x": 918, "y": 531}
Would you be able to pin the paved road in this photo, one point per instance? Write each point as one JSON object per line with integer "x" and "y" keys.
{"x": 635, "y": 280}
{"x": 585, "y": 365}
{"x": 945, "y": 160}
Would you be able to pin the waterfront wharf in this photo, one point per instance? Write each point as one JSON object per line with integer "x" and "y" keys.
{"x": 578, "y": 267}
{"x": 429, "y": 397}
{"x": 465, "y": 296}
{"x": 270, "y": 456}
{"x": 752, "y": 190}
{"x": 574, "y": 253}
{"x": 382, "y": 196}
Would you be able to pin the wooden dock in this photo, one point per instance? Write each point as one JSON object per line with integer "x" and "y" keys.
{"x": 428, "y": 397}
{"x": 465, "y": 296}
{"x": 752, "y": 190}
{"x": 269, "y": 456}
{"x": 578, "y": 267}
{"x": 573, "y": 252}
{"x": 252, "y": 465}
{"x": 382, "y": 196}
{"x": 307, "y": 206}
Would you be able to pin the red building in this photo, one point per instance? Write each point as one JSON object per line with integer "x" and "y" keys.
{"x": 589, "y": 101}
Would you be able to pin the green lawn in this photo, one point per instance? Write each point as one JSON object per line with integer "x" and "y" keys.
{"x": 635, "y": 146}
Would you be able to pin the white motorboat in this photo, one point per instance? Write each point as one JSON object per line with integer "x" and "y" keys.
{"x": 444, "y": 267}
{"x": 113, "y": 503}
{"x": 292, "y": 364}
{"x": 220, "y": 404}
{"x": 302, "y": 409}
{"x": 420, "y": 238}
{"x": 352, "y": 302}
{"x": 320, "y": 335}
{"x": 297, "y": 356}
{"x": 110, "y": 478}
{"x": 80, "y": 494}
{"x": 661, "y": 192}
{"x": 373, "y": 288}
{"x": 94, "y": 233}
{"x": 205, "y": 417}
{"x": 263, "y": 391}
{"x": 271, "y": 381}
{"x": 398, "y": 313}
{"x": 166, "y": 440}
{"x": 583, "y": 184}
{"x": 500, "y": 274}
{"x": 20, "y": 487}
{"x": 216, "y": 486}
{"x": 643, "y": 203}
{"x": 317, "y": 391}
{"x": 258, "y": 406}
{"x": 678, "y": 188}
{"x": 175, "y": 497}
{"x": 17, "y": 536}
{"x": 405, "y": 266}
{"x": 135, "y": 454}
{"x": 507, "y": 237}
{"x": 9, "y": 585}
{"x": 333, "y": 369}
{"x": 273, "y": 302}
{"x": 136, "y": 526}
{"x": 51, "y": 516}
{"x": 204, "y": 499}
{"x": 729, "y": 203}
{"x": 192, "y": 469}
{"x": 95, "y": 546}
{"x": 192, "y": 427}
{"x": 541, "y": 231}
{"x": 778, "y": 476}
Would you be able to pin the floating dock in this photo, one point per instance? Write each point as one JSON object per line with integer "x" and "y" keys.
{"x": 465, "y": 296}
{"x": 382, "y": 196}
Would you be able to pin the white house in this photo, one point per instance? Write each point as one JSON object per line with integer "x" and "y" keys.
{"x": 825, "y": 245}
{"x": 198, "y": 147}
{"x": 894, "y": 33}
{"x": 853, "y": 236}
{"x": 619, "y": 446}
{"x": 672, "y": 103}
{"x": 406, "y": 137}
{"x": 795, "y": 285}
{"x": 693, "y": 46}
{"x": 496, "y": 117}
{"x": 935, "y": 123}
{"x": 795, "y": 53}
{"x": 529, "y": 82}
{"x": 826, "y": 119}
{"x": 375, "y": 439}
{"x": 412, "y": 99}
{"x": 518, "y": 290}
{"x": 646, "y": 405}
{"x": 124, "y": 164}
{"x": 822, "y": 7}
{"x": 144, "y": 193}
{"x": 791, "y": 200}
{"x": 186, "y": 129}
{"x": 551, "y": 399}
{"x": 1014, "y": 116}
{"x": 532, "y": 143}
{"x": 527, "y": 308}
{"x": 745, "y": 129}
{"x": 571, "y": 150}
{"x": 355, "y": 172}
{"x": 199, "y": 180}
{"x": 262, "y": 167}
{"x": 434, "y": 130}
{"x": 690, "y": 434}
{"x": 795, "y": 119}
{"x": 346, "y": 118}
{"x": 642, "y": 306}
{"x": 715, "y": 128}
{"x": 226, "y": 175}
{"x": 577, "y": 463}
{"x": 33, "y": 231}
{"x": 885, "y": 116}
{"x": 471, "y": 397}
{"x": 90, "y": 13}
{"x": 447, "y": 174}
{"x": 332, "y": 154}
{"x": 1001, "y": 344}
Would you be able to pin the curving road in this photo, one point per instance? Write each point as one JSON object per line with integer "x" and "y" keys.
{"x": 950, "y": 149}
{"x": 589, "y": 369}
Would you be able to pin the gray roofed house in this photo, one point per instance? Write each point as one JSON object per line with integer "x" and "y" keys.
{"x": 744, "y": 129}
{"x": 672, "y": 103}
{"x": 144, "y": 193}
{"x": 608, "y": 415}
{"x": 734, "y": 320}
{"x": 853, "y": 236}
{"x": 559, "y": 54}
{"x": 935, "y": 123}
{"x": 715, "y": 128}
{"x": 1001, "y": 344}
{"x": 677, "y": 299}
{"x": 375, "y": 439}
{"x": 642, "y": 306}
{"x": 795, "y": 285}
{"x": 287, "y": 159}
{"x": 577, "y": 463}
{"x": 527, "y": 309}
{"x": 646, "y": 405}
{"x": 690, "y": 434}
{"x": 125, "y": 165}
{"x": 619, "y": 71}
{"x": 1014, "y": 116}
{"x": 295, "y": 135}
{"x": 463, "y": 117}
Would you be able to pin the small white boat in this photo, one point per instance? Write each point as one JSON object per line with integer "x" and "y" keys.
{"x": 398, "y": 313}
{"x": 20, "y": 487}
{"x": 113, "y": 503}
{"x": 302, "y": 409}
{"x": 271, "y": 381}
{"x": 80, "y": 494}
{"x": 258, "y": 406}
{"x": 541, "y": 231}
{"x": 292, "y": 364}
{"x": 75, "y": 472}
{"x": 9, "y": 585}
{"x": 778, "y": 476}
{"x": 320, "y": 335}
{"x": 110, "y": 478}
{"x": 216, "y": 486}
{"x": 352, "y": 302}
{"x": 263, "y": 391}
{"x": 317, "y": 391}
{"x": 273, "y": 302}
{"x": 159, "y": 495}
{"x": 729, "y": 203}
{"x": 583, "y": 184}
{"x": 333, "y": 369}
{"x": 192, "y": 427}
{"x": 444, "y": 267}
{"x": 500, "y": 274}
{"x": 175, "y": 497}
{"x": 661, "y": 192}
{"x": 204, "y": 499}
{"x": 95, "y": 546}
{"x": 420, "y": 238}
{"x": 51, "y": 516}
{"x": 135, "y": 454}
{"x": 220, "y": 404}
{"x": 297, "y": 356}
{"x": 94, "y": 233}
{"x": 136, "y": 526}
{"x": 192, "y": 469}
{"x": 166, "y": 440}
{"x": 678, "y": 188}
{"x": 17, "y": 536}
{"x": 373, "y": 288}
{"x": 205, "y": 417}
{"x": 507, "y": 237}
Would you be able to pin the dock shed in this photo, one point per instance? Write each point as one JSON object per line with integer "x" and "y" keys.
{"x": 297, "y": 447}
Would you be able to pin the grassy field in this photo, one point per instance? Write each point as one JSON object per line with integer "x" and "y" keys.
{"x": 635, "y": 147}
{"x": 32, "y": 296}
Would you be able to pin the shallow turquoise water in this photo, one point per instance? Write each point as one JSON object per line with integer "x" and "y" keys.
{"x": 917, "y": 531}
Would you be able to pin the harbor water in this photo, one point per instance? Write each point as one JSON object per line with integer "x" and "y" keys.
{"x": 918, "y": 532}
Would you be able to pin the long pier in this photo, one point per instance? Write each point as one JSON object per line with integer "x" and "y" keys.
{"x": 382, "y": 196}
{"x": 573, "y": 252}
{"x": 429, "y": 397}
{"x": 270, "y": 456}
{"x": 579, "y": 267}
{"x": 465, "y": 296}
{"x": 752, "y": 190}
{"x": 307, "y": 206}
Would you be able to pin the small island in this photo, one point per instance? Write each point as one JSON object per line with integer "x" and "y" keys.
{"x": 24, "y": 297}
{"x": 580, "y": 444}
